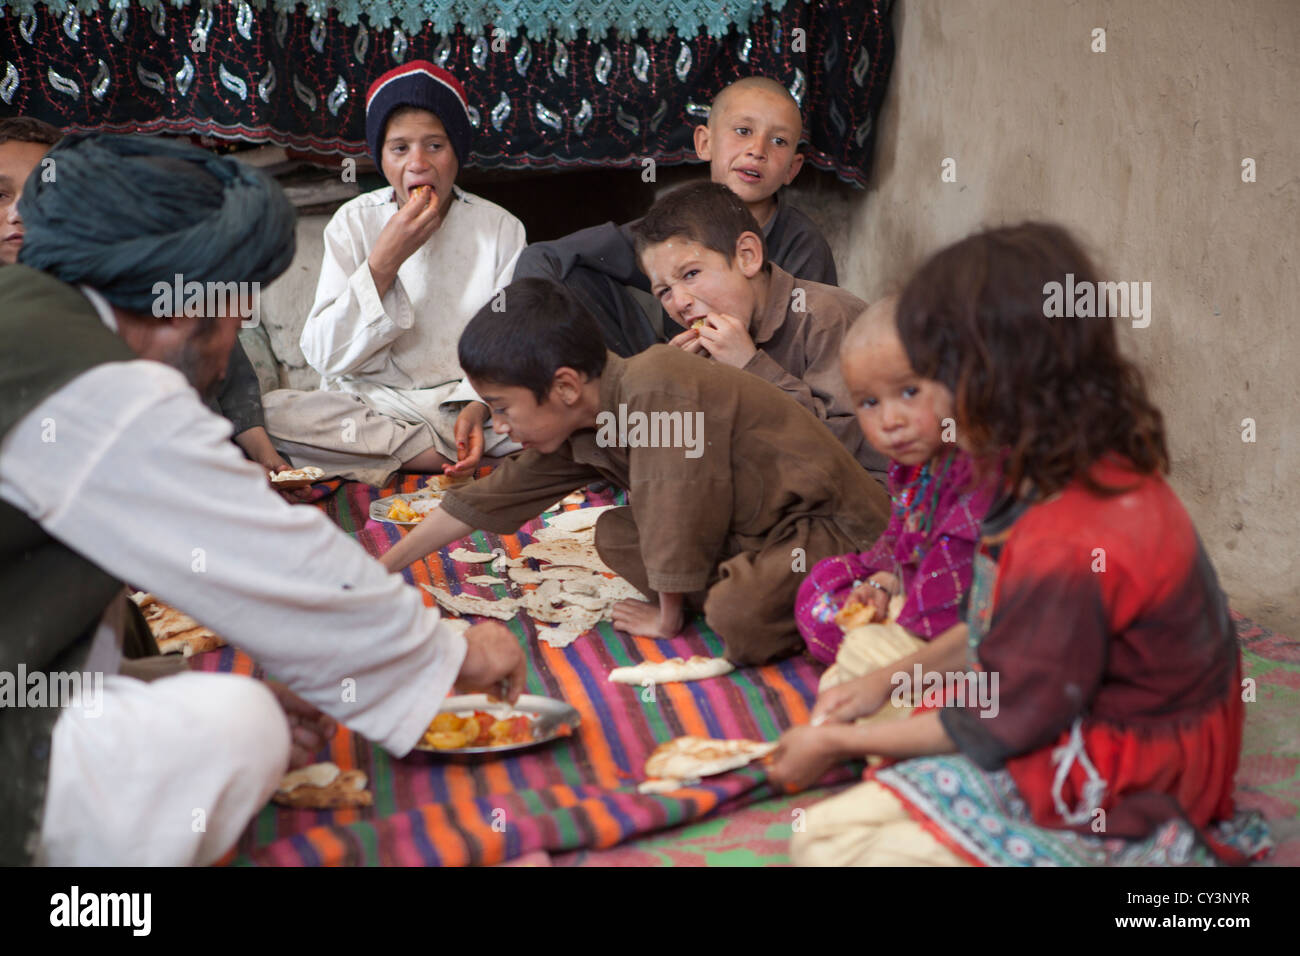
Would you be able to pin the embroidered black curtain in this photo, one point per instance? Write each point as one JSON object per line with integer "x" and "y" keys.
{"x": 291, "y": 78}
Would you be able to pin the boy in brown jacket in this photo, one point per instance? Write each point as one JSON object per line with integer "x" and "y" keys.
{"x": 707, "y": 262}
{"x": 734, "y": 489}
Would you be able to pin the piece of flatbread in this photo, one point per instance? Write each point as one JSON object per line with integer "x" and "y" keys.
{"x": 487, "y": 580}
{"x": 310, "y": 473}
{"x": 559, "y": 573}
{"x": 618, "y": 589}
{"x": 548, "y": 535}
{"x": 558, "y": 636}
{"x": 589, "y": 602}
{"x": 579, "y": 520}
{"x": 198, "y": 641}
{"x": 672, "y": 670}
{"x": 502, "y": 561}
{"x": 685, "y": 758}
{"x": 568, "y": 553}
{"x": 175, "y": 632}
{"x": 322, "y": 786}
{"x": 472, "y": 557}
{"x": 541, "y": 608}
{"x": 503, "y": 609}
{"x": 664, "y": 786}
{"x": 582, "y": 581}
{"x": 524, "y": 575}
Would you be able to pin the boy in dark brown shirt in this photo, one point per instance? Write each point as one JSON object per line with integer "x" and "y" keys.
{"x": 707, "y": 262}
{"x": 734, "y": 489}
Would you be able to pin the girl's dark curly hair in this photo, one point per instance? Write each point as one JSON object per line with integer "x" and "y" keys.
{"x": 1054, "y": 394}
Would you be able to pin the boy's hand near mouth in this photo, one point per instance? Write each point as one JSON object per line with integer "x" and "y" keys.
{"x": 727, "y": 339}
{"x": 408, "y": 230}
{"x": 720, "y": 336}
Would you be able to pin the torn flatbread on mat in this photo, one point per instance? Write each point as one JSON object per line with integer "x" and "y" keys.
{"x": 558, "y": 636}
{"x": 664, "y": 786}
{"x": 525, "y": 575}
{"x": 672, "y": 670}
{"x": 322, "y": 786}
{"x": 685, "y": 758}
{"x": 573, "y": 589}
{"x": 579, "y": 520}
{"x": 590, "y": 602}
{"x": 586, "y": 538}
{"x": 567, "y": 552}
{"x": 471, "y": 557}
{"x": 544, "y": 604}
{"x": 503, "y": 609}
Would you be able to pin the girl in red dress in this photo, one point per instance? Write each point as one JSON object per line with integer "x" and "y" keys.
{"x": 1108, "y": 718}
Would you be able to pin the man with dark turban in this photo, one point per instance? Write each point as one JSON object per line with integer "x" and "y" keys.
{"x": 112, "y": 470}
{"x": 24, "y": 141}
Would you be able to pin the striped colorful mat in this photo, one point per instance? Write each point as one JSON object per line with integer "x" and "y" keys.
{"x": 573, "y": 794}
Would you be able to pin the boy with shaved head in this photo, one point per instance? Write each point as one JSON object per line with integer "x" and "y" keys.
{"x": 751, "y": 143}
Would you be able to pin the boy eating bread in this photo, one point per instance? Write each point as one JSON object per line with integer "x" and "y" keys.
{"x": 751, "y": 143}
{"x": 405, "y": 268}
{"x": 727, "y": 521}
{"x": 706, "y": 259}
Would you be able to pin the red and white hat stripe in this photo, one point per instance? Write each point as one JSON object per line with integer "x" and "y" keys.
{"x": 436, "y": 74}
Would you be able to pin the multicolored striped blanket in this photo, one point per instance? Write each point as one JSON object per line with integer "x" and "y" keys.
{"x": 575, "y": 793}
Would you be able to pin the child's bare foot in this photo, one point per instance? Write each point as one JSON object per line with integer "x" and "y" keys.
{"x": 640, "y": 617}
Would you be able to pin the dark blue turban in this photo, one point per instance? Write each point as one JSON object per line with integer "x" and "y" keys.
{"x": 125, "y": 212}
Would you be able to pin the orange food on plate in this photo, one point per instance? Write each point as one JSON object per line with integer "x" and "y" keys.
{"x": 451, "y": 731}
{"x": 401, "y": 511}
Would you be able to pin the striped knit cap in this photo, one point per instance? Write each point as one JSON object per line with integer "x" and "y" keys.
{"x": 428, "y": 86}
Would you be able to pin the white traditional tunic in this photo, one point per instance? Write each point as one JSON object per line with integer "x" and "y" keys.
{"x": 395, "y": 353}
{"x": 143, "y": 480}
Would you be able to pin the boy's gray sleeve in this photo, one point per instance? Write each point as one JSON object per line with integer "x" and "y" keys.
{"x": 797, "y": 246}
{"x": 606, "y": 249}
{"x": 808, "y": 256}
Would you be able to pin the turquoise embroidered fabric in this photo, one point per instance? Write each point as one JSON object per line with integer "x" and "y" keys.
{"x": 538, "y": 19}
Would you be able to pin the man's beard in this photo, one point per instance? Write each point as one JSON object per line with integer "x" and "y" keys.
{"x": 188, "y": 360}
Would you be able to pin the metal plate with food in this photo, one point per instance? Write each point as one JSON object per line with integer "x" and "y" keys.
{"x": 547, "y": 719}
{"x": 405, "y": 509}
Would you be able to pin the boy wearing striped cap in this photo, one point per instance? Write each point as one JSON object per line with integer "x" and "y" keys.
{"x": 405, "y": 269}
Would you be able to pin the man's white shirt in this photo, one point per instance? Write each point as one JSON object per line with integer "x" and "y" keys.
{"x": 127, "y": 467}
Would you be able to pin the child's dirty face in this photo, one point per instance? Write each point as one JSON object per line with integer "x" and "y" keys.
{"x": 903, "y": 415}
{"x": 752, "y": 147}
{"x": 518, "y": 415}
{"x": 692, "y": 280}
{"x": 417, "y": 152}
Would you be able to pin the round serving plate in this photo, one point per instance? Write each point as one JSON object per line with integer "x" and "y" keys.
{"x": 549, "y": 715}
